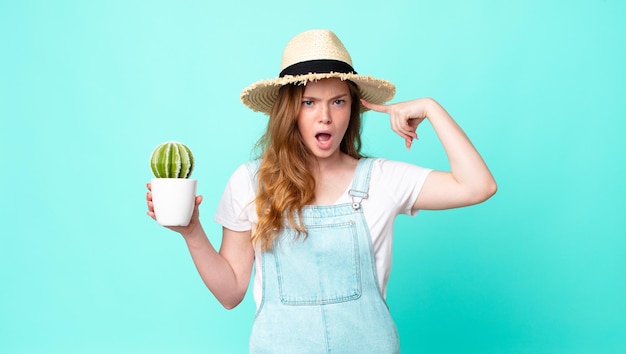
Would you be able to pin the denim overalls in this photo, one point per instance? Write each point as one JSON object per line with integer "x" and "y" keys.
{"x": 320, "y": 293}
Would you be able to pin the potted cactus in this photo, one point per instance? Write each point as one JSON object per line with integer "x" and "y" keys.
{"x": 173, "y": 192}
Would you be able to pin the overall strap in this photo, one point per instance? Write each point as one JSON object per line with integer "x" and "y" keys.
{"x": 361, "y": 183}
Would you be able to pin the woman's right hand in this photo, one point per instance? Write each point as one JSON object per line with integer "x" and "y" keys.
{"x": 194, "y": 223}
{"x": 226, "y": 273}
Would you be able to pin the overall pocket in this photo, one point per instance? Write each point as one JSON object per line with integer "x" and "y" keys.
{"x": 322, "y": 268}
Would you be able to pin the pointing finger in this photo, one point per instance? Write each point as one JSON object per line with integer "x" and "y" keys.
{"x": 375, "y": 107}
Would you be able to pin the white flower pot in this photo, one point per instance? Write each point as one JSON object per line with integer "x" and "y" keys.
{"x": 173, "y": 200}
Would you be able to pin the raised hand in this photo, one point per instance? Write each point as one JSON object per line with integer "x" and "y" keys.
{"x": 405, "y": 117}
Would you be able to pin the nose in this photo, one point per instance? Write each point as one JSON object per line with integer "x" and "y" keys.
{"x": 325, "y": 117}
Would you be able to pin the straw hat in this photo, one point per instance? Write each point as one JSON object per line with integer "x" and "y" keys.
{"x": 315, "y": 55}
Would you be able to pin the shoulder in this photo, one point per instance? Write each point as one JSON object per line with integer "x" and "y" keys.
{"x": 397, "y": 170}
{"x": 242, "y": 181}
{"x": 240, "y": 189}
{"x": 400, "y": 182}
{"x": 236, "y": 210}
{"x": 245, "y": 171}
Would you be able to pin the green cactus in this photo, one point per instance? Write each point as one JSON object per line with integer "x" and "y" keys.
{"x": 171, "y": 160}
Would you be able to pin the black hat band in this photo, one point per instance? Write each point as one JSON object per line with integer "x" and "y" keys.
{"x": 319, "y": 66}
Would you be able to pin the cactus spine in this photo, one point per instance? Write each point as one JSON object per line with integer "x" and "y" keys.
{"x": 171, "y": 160}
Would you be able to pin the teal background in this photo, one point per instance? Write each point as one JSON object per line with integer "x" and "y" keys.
{"x": 89, "y": 88}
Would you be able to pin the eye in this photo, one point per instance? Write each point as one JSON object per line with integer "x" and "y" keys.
{"x": 340, "y": 102}
{"x": 307, "y": 103}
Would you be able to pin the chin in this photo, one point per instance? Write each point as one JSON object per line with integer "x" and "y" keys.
{"x": 325, "y": 154}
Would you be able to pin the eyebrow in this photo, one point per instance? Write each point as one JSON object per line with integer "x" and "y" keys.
{"x": 312, "y": 98}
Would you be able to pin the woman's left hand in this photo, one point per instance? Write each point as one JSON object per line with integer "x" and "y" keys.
{"x": 404, "y": 116}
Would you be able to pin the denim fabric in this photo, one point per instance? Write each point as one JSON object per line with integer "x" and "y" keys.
{"x": 320, "y": 293}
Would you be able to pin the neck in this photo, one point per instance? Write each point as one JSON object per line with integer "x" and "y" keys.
{"x": 337, "y": 162}
{"x": 332, "y": 178}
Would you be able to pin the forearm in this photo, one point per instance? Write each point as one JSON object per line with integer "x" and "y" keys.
{"x": 215, "y": 271}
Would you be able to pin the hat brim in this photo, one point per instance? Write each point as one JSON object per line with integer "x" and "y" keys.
{"x": 261, "y": 95}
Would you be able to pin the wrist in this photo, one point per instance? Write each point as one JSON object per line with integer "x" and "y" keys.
{"x": 433, "y": 108}
{"x": 193, "y": 233}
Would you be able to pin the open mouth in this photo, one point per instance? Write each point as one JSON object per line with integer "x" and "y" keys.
{"x": 322, "y": 137}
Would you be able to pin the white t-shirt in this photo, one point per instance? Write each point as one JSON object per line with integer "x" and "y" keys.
{"x": 394, "y": 187}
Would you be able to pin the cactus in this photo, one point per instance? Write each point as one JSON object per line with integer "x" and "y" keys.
{"x": 171, "y": 160}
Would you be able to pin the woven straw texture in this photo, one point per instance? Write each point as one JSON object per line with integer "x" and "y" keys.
{"x": 314, "y": 45}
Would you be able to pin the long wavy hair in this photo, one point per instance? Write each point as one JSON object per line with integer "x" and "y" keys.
{"x": 285, "y": 180}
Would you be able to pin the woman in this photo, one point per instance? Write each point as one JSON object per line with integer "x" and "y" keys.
{"x": 316, "y": 217}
